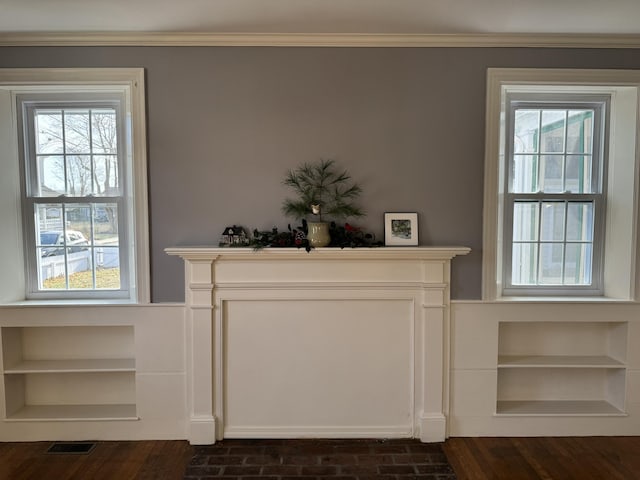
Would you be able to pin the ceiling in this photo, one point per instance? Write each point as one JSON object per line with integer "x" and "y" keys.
{"x": 418, "y": 17}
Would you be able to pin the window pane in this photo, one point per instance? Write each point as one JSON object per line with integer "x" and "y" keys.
{"x": 106, "y": 175}
{"x": 525, "y": 174}
{"x": 579, "y": 222}
{"x": 51, "y": 179}
{"x": 83, "y": 255}
{"x": 107, "y": 267}
{"x": 79, "y": 175}
{"x": 76, "y": 131}
{"x": 48, "y": 131}
{"x": 551, "y": 264}
{"x": 78, "y": 223}
{"x": 107, "y": 253}
{"x": 524, "y": 263}
{"x": 578, "y": 174}
{"x": 526, "y": 128}
{"x": 578, "y": 260}
{"x": 80, "y": 268}
{"x": 552, "y": 173}
{"x": 49, "y": 224}
{"x": 105, "y": 224}
{"x": 580, "y": 131}
{"x": 552, "y": 222}
{"x": 525, "y": 221}
{"x": 51, "y": 270}
{"x": 552, "y": 140}
{"x": 105, "y": 139}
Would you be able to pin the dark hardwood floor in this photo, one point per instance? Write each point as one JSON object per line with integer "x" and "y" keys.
{"x": 563, "y": 458}
{"x": 589, "y": 458}
{"x": 149, "y": 460}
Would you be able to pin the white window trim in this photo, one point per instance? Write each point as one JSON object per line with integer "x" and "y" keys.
{"x": 621, "y": 249}
{"x": 50, "y": 80}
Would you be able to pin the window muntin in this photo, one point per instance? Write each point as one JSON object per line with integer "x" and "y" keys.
{"x": 74, "y": 178}
{"x": 554, "y": 201}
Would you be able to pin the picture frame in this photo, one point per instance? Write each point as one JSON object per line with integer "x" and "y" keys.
{"x": 400, "y": 229}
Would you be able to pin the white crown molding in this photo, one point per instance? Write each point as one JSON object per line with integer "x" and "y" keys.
{"x": 316, "y": 40}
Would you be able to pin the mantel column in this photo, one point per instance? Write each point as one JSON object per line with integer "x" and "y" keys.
{"x": 433, "y": 328}
{"x": 199, "y": 335}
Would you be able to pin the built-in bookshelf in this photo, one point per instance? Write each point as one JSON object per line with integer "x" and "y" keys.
{"x": 562, "y": 368}
{"x": 68, "y": 373}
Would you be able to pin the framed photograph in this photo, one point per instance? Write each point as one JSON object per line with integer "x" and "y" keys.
{"x": 400, "y": 229}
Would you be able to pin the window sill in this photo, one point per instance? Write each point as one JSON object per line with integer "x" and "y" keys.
{"x": 561, "y": 299}
{"x": 70, "y": 303}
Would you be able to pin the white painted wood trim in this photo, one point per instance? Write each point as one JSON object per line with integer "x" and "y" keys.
{"x": 528, "y": 79}
{"x": 188, "y": 39}
{"x": 318, "y": 432}
{"x": 381, "y": 253}
{"x": 215, "y": 276}
{"x": 476, "y": 365}
{"x": 132, "y": 81}
{"x": 490, "y": 214}
{"x": 141, "y": 202}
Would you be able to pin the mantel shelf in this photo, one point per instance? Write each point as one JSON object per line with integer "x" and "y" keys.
{"x": 381, "y": 253}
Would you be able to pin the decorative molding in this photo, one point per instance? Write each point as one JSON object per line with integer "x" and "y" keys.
{"x": 604, "y": 81}
{"x": 130, "y": 82}
{"x": 201, "y": 286}
{"x": 305, "y": 285}
{"x": 276, "y": 284}
{"x": 312, "y": 431}
{"x": 206, "y": 39}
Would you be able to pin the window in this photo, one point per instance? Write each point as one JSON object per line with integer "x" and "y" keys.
{"x": 74, "y": 206}
{"x": 555, "y": 203}
{"x": 79, "y": 157}
{"x": 561, "y": 184}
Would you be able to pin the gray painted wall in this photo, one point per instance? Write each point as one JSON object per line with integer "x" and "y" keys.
{"x": 224, "y": 125}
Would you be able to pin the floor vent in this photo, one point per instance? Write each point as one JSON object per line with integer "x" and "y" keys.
{"x": 73, "y": 448}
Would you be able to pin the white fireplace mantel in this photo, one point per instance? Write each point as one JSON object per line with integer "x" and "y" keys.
{"x": 328, "y": 343}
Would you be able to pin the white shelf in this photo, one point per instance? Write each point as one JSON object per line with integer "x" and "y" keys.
{"x": 546, "y": 368}
{"x": 558, "y": 361}
{"x": 557, "y": 408}
{"x": 69, "y": 413}
{"x": 72, "y": 366}
{"x": 41, "y": 382}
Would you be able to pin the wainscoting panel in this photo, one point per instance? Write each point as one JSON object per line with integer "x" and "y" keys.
{"x": 557, "y": 368}
{"x": 318, "y": 368}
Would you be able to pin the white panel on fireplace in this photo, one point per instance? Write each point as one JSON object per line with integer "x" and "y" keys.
{"x": 318, "y": 368}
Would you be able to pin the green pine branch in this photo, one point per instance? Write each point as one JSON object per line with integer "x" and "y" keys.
{"x": 321, "y": 184}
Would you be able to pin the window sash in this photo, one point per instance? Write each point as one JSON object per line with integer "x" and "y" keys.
{"x": 596, "y": 196}
{"x": 593, "y": 240}
{"x": 32, "y": 197}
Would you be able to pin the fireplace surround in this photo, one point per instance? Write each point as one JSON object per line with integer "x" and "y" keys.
{"x": 333, "y": 343}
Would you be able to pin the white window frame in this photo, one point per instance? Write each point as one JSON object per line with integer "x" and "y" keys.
{"x": 620, "y": 253}
{"x": 125, "y": 82}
